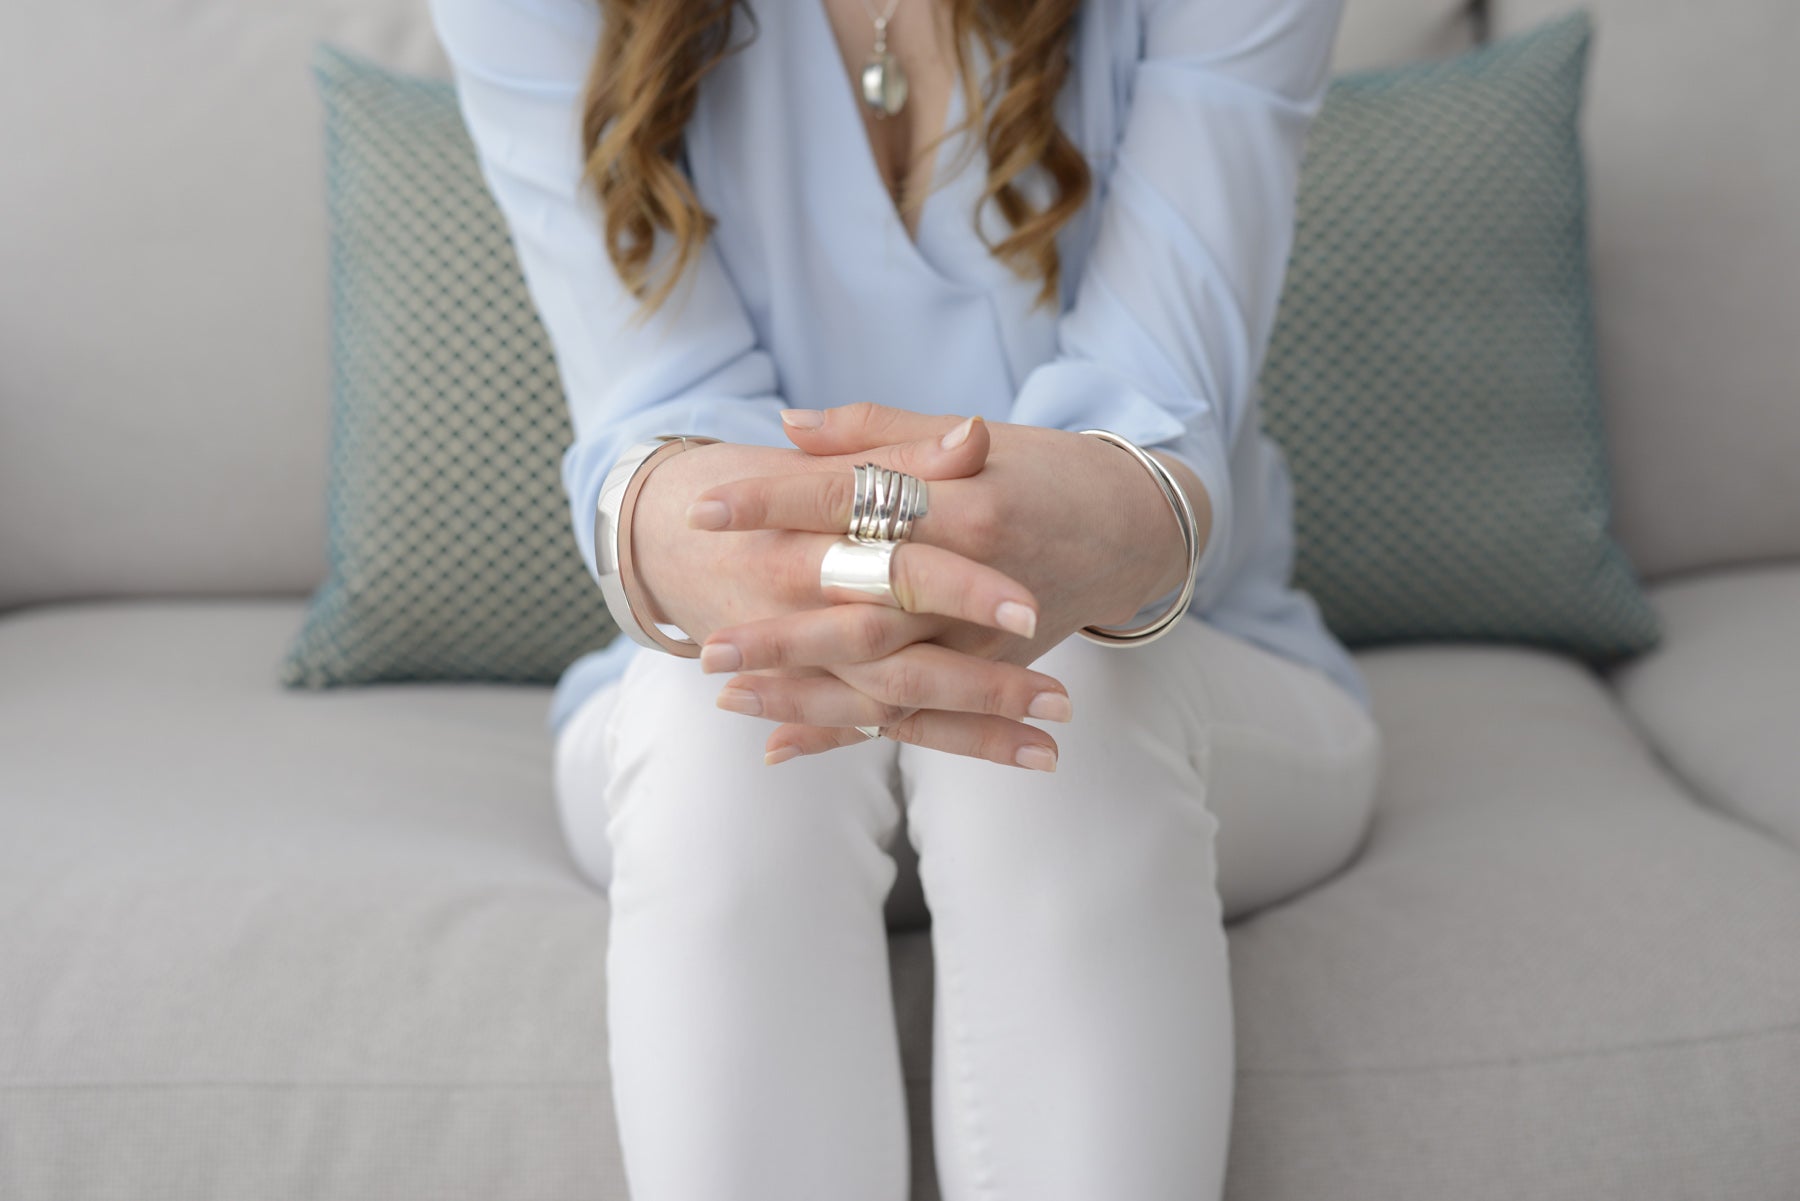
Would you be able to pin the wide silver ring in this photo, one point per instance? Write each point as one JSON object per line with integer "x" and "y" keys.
{"x": 871, "y": 731}
{"x": 884, "y": 504}
{"x": 862, "y": 568}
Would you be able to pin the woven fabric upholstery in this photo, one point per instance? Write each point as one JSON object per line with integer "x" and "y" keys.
{"x": 1431, "y": 375}
{"x": 449, "y": 547}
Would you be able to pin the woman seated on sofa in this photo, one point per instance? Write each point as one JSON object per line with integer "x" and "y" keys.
{"x": 762, "y": 268}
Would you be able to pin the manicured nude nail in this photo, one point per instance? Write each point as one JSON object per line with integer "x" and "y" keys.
{"x": 708, "y": 514}
{"x": 1037, "y": 758}
{"x": 958, "y": 436}
{"x": 780, "y": 754}
{"x": 720, "y": 656}
{"x": 1051, "y": 706}
{"x": 740, "y": 700}
{"x": 803, "y": 419}
{"x": 1011, "y": 615}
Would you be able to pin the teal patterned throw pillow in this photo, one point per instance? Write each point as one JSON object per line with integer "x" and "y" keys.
{"x": 448, "y": 539}
{"x": 1431, "y": 376}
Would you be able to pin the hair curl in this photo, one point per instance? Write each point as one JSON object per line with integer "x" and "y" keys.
{"x": 644, "y": 81}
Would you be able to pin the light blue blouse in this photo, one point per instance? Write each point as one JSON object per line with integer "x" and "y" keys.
{"x": 810, "y": 293}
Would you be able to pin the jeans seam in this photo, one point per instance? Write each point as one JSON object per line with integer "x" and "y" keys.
{"x": 981, "y": 1169}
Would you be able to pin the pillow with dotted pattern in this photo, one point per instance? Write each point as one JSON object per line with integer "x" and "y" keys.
{"x": 447, "y": 532}
{"x": 1431, "y": 376}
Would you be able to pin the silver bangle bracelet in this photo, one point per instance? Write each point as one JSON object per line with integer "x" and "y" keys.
{"x": 612, "y": 538}
{"x": 1184, "y": 516}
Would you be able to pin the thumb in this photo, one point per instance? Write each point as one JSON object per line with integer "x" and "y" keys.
{"x": 863, "y": 425}
{"x": 959, "y": 452}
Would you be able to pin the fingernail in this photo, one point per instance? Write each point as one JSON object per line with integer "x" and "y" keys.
{"x": 1016, "y": 617}
{"x": 1037, "y": 758}
{"x": 780, "y": 754}
{"x": 804, "y": 419}
{"x": 1051, "y": 706}
{"x": 708, "y": 514}
{"x": 720, "y": 656}
{"x": 740, "y": 700}
{"x": 958, "y": 436}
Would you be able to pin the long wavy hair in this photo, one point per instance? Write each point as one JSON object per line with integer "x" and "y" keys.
{"x": 643, "y": 83}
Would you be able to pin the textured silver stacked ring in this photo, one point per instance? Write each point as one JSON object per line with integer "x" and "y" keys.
{"x": 885, "y": 504}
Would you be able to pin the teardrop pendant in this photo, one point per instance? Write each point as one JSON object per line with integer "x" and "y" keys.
{"x": 883, "y": 80}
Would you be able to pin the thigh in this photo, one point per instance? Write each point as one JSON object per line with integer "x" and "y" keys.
{"x": 1272, "y": 750}
{"x": 651, "y": 752}
{"x": 1291, "y": 762}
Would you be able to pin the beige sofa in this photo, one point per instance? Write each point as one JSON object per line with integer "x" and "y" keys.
{"x": 260, "y": 945}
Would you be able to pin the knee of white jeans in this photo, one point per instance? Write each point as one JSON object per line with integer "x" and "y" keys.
{"x": 744, "y": 863}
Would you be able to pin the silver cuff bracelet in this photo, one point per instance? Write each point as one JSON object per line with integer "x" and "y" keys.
{"x": 1184, "y": 516}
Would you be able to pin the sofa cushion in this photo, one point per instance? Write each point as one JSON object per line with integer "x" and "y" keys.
{"x": 1430, "y": 376}
{"x": 1694, "y": 172}
{"x": 1721, "y": 697}
{"x": 274, "y": 944}
{"x": 449, "y": 535}
{"x": 1551, "y": 973}
{"x": 261, "y": 943}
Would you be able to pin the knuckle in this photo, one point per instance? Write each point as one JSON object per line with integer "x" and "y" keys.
{"x": 996, "y": 743}
{"x": 798, "y": 573}
{"x": 912, "y": 579}
{"x": 763, "y": 648}
{"x": 868, "y": 635}
{"x": 905, "y": 729}
{"x": 904, "y": 684}
{"x": 982, "y": 525}
{"x": 862, "y": 413}
{"x": 778, "y": 704}
{"x": 995, "y": 695}
{"x": 840, "y": 490}
{"x": 889, "y": 713}
{"x": 748, "y": 506}
{"x": 907, "y": 457}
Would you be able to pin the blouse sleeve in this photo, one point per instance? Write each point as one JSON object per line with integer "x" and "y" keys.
{"x": 695, "y": 367}
{"x": 1172, "y": 313}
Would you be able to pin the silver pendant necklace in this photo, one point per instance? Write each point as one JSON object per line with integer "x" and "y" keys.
{"x": 883, "y": 80}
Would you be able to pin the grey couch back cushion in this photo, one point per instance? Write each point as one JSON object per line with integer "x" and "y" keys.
{"x": 164, "y": 364}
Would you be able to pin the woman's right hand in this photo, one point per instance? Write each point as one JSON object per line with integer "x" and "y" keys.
{"x": 703, "y": 580}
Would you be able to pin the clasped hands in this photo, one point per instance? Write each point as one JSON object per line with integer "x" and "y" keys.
{"x": 1032, "y": 533}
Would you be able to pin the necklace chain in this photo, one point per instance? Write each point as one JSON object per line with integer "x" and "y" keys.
{"x": 881, "y": 22}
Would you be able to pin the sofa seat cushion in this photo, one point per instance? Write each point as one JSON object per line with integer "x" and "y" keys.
{"x": 1551, "y": 973}
{"x": 270, "y": 944}
{"x": 1720, "y": 697}
{"x": 267, "y": 943}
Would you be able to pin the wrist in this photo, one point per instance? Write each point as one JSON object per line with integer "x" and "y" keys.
{"x": 1172, "y": 557}
{"x": 1155, "y": 561}
{"x": 660, "y": 518}
{"x": 616, "y": 539}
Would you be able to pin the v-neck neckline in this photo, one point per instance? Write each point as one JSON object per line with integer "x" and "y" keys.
{"x": 847, "y": 116}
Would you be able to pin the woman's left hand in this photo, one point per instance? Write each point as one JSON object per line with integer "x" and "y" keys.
{"x": 1077, "y": 521}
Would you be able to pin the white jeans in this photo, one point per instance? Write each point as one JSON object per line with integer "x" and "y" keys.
{"x": 1082, "y": 1040}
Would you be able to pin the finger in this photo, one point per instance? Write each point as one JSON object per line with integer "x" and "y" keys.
{"x": 820, "y": 500}
{"x": 790, "y": 741}
{"x": 814, "y": 700}
{"x": 931, "y": 579}
{"x": 978, "y": 736}
{"x": 973, "y": 734}
{"x": 816, "y": 638}
{"x": 926, "y": 675}
{"x": 863, "y": 425}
